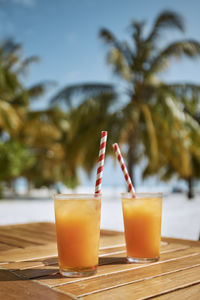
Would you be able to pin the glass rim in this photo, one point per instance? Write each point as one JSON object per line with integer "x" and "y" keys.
{"x": 76, "y": 196}
{"x": 143, "y": 195}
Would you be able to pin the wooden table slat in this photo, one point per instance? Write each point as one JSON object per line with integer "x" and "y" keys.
{"x": 34, "y": 263}
{"x": 29, "y": 268}
{"x": 29, "y": 253}
{"x": 150, "y": 287}
{"x": 181, "y": 241}
{"x": 80, "y": 288}
{"x": 37, "y": 227}
{"x": 37, "y": 238}
{"x": 191, "y": 292}
{"x": 16, "y": 242}
{"x": 11, "y": 287}
{"x": 110, "y": 268}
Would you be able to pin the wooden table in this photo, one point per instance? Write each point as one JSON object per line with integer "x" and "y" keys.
{"x": 29, "y": 269}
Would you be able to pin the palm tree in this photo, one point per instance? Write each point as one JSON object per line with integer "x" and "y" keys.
{"x": 139, "y": 66}
{"x": 14, "y": 96}
{"x": 88, "y": 115}
{"x": 149, "y": 102}
{"x": 80, "y": 142}
{"x": 182, "y": 154}
{"x": 41, "y": 134}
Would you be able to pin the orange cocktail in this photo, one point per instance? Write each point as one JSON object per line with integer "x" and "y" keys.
{"x": 142, "y": 225}
{"x": 78, "y": 230}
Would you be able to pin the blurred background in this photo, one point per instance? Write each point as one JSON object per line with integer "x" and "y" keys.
{"x": 69, "y": 69}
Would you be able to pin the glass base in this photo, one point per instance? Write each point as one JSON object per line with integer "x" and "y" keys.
{"x": 78, "y": 273}
{"x": 142, "y": 260}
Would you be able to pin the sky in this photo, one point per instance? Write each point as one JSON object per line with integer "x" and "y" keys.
{"x": 64, "y": 34}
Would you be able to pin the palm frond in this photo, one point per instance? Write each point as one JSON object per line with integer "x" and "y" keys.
{"x": 40, "y": 88}
{"x": 190, "y": 48}
{"x": 108, "y": 36}
{"x": 9, "y": 118}
{"x": 137, "y": 31}
{"x": 20, "y": 99}
{"x": 185, "y": 86}
{"x": 9, "y": 47}
{"x": 119, "y": 64}
{"x": 121, "y": 47}
{"x": 166, "y": 20}
{"x": 10, "y": 52}
{"x": 67, "y": 94}
{"x": 50, "y": 115}
{"x": 181, "y": 116}
{"x": 23, "y": 65}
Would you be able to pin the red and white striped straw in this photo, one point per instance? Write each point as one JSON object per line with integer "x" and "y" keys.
{"x": 102, "y": 150}
{"x": 124, "y": 170}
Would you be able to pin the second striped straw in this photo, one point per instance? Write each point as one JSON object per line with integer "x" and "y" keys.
{"x": 124, "y": 170}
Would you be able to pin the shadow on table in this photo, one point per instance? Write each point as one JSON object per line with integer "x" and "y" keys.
{"x": 112, "y": 260}
{"x": 49, "y": 271}
{"x": 16, "y": 275}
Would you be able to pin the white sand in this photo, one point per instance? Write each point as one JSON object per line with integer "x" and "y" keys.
{"x": 180, "y": 217}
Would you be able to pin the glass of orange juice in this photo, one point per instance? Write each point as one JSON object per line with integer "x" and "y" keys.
{"x": 77, "y": 219}
{"x": 142, "y": 226}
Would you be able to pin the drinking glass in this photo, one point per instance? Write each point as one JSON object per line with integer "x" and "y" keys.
{"x": 142, "y": 226}
{"x": 77, "y": 219}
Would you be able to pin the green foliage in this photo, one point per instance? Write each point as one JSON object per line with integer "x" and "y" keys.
{"x": 162, "y": 123}
{"x": 27, "y": 133}
{"x": 157, "y": 119}
{"x": 14, "y": 159}
{"x": 154, "y": 120}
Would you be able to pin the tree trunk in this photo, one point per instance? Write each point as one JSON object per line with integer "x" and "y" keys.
{"x": 29, "y": 187}
{"x": 190, "y": 193}
{"x": 131, "y": 156}
{"x": 13, "y": 188}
